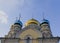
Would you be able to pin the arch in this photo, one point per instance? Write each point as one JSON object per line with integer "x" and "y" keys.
{"x": 28, "y": 39}
{"x": 28, "y": 36}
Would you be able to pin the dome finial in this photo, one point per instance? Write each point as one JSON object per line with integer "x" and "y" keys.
{"x": 32, "y": 16}
{"x": 16, "y": 18}
{"x": 43, "y": 16}
{"x": 19, "y": 16}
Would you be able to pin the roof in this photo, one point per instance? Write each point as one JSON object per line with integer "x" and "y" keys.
{"x": 32, "y": 21}
{"x": 32, "y": 39}
{"x": 44, "y": 21}
{"x": 18, "y": 22}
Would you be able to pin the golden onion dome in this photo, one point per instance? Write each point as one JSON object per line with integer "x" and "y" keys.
{"x": 32, "y": 21}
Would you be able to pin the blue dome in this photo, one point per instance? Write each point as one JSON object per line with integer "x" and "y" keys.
{"x": 44, "y": 21}
{"x": 18, "y": 22}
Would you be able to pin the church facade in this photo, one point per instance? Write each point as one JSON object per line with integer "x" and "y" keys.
{"x": 32, "y": 32}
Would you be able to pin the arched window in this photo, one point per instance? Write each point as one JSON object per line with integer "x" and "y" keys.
{"x": 28, "y": 40}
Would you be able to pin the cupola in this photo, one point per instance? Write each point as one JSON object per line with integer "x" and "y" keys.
{"x": 32, "y": 21}
{"x": 18, "y": 22}
{"x": 44, "y": 21}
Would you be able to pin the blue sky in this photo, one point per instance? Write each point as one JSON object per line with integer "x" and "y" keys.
{"x": 10, "y": 9}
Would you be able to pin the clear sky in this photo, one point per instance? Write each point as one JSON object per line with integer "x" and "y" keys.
{"x": 10, "y": 9}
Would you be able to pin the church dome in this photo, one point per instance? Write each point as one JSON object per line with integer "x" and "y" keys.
{"x": 44, "y": 21}
{"x": 32, "y": 21}
{"x": 18, "y": 22}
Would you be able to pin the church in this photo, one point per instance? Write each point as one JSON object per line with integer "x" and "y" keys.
{"x": 32, "y": 32}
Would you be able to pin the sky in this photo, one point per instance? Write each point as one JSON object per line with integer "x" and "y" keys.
{"x": 10, "y": 9}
